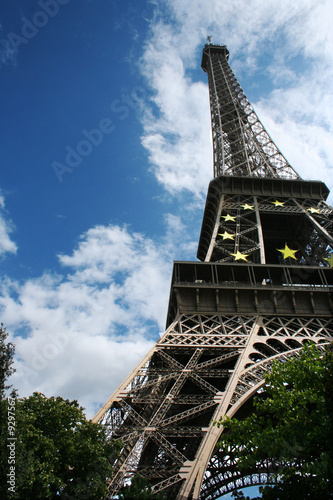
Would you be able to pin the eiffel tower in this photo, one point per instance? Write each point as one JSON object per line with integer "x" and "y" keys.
{"x": 260, "y": 291}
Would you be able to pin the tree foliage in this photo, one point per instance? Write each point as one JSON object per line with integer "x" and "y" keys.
{"x": 59, "y": 453}
{"x": 291, "y": 428}
{"x": 7, "y": 350}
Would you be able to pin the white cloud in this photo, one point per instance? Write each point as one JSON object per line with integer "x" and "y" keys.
{"x": 177, "y": 136}
{"x": 6, "y": 227}
{"x": 77, "y": 366}
{"x": 304, "y": 134}
{"x": 79, "y": 335}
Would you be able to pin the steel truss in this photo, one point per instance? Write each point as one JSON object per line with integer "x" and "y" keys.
{"x": 230, "y": 315}
{"x": 203, "y": 367}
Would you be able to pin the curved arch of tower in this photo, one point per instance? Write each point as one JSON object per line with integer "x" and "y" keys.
{"x": 261, "y": 290}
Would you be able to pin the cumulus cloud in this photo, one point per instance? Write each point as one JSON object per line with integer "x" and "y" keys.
{"x": 262, "y": 34}
{"x": 79, "y": 334}
{"x": 177, "y": 133}
{"x": 304, "y": 135}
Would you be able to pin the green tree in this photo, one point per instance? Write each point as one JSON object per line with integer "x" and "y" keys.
{"x": 7, "y": 350}
{"x": 291, "y": 428}
{"x": 59, "y": 453}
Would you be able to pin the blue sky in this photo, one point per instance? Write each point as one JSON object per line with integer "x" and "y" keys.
{"x": 106, "y": 157}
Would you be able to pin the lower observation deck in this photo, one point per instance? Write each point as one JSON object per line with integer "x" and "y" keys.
{"x": 250, "y": 289}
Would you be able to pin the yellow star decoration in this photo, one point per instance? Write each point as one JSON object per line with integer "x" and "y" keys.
{"x": 240, "y": 256}
{"x": 314, "y": 210}
{"x": 247, "y": 207}
{"x": 330, "y": 260}
{"x": 278, "y": 203}
{"x": 287, "y": 252}
{"x": 226, "y": 236}
{"x": 229, "y": 217}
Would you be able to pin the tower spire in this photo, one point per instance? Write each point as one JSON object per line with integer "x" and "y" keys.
{"x": 241, "y": 144}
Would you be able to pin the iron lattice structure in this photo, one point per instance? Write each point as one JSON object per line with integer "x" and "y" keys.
{"x": 247, "y": 303}
{"x": 241, "y": 144}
